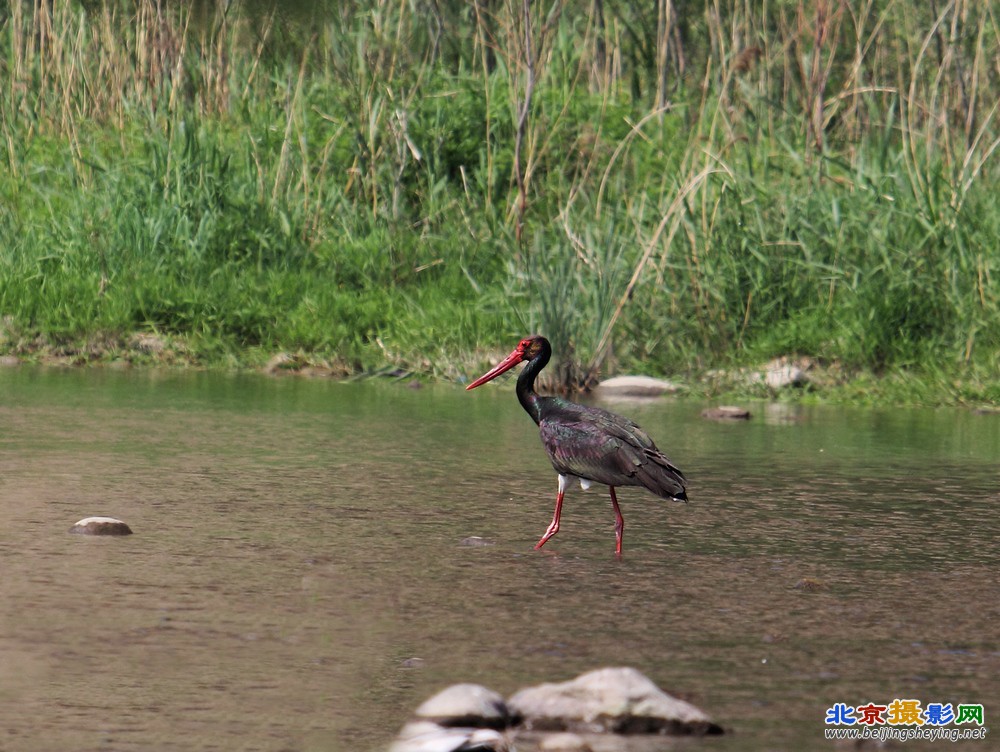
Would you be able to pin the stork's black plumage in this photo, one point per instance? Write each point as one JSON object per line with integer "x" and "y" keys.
{"x": 588, "y": 443}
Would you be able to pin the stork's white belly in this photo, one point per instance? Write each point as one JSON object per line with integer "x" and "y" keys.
{"x": 564, "y": 481}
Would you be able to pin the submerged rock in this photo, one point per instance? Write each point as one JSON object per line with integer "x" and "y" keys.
{"x": 427, "y": 736}
{"x": 810, "y": 584}
{"x": 635, "y": 386}
{"x": 564, "y": 741}
{"x": 782, "y": 413}
{"x": 100, "y": 526}
{"x": 466, "y": 705}
{"x": 475, "y": 541}
{"x": 726, "y": 412}
{"x": 609, "y": 700}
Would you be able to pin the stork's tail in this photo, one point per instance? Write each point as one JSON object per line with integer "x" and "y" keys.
{"x": 663, "y": 478}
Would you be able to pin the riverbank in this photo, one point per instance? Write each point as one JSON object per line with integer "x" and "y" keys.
{"x": 799, "y": 379}
{"x": 687, "y": 197}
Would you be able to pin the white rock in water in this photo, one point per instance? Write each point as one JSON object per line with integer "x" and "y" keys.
{"x": 101, "y": 526}
{"x": 635, "y": 386}
{"x": 466, "y": 705}
{"x": 615, "y": 700}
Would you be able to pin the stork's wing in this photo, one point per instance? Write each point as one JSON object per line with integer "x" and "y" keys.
{"x": 598, "y": 445}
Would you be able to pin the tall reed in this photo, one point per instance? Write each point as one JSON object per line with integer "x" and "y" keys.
{"x": 664, "y": 186}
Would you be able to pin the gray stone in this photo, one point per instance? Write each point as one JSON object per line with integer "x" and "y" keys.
{"x": 427, "y": 736}
{"x": 635, "y": 386}
{"x": 100, "y": 526}
{"x": 779, "y": 374}
{"x": 466, "y": 705}
{"x": 609, "y": 700}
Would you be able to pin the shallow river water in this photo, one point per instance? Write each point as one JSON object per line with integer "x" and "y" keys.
{"x": 297, "y": 581}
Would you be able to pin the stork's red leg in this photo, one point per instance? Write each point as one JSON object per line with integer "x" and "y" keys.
{"x": 553, "y": 527}
{"x": 619, "y": 522}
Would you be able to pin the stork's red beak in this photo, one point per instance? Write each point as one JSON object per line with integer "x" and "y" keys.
{"x": 505, "y": 365}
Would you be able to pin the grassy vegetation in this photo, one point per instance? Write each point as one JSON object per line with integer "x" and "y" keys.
{"x": 664, "y": 189}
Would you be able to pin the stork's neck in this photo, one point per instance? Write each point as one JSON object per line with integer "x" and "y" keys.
{"x": 526, "y": 393}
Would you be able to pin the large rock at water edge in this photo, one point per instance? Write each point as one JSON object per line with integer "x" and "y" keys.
{"x": 466, "y": 705}
{"x": 609, "y": 700}
{"x": 100, "y": 526}
{"x": 781, "y": 373}
{"x": 635, "y": 386}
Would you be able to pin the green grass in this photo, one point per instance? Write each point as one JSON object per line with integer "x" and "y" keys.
{"x": 345, "y": 187}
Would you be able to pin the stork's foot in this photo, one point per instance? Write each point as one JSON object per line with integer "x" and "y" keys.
{"x": 551, "y": 530}
{"x": 553, "y": 527}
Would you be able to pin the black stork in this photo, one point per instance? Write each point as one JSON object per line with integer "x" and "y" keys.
{"x": 587, "y": 443}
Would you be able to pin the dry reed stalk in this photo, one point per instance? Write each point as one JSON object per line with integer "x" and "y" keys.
{"x": 523, "y": 43}
{"x": 292, "y": 106}
{"x": 671, "y": 216}
{"x": 527, "y": 58}
{"x": 816, "y": 47}
{"x": 486, "y": 46}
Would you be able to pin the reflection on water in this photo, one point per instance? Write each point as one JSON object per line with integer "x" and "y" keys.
{"x": 297, "y": 546}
